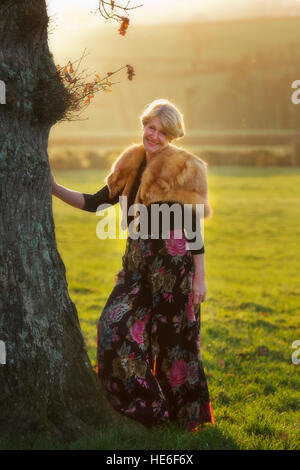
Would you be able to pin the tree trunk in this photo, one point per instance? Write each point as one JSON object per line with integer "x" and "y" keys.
{"x": 47, "y": 385}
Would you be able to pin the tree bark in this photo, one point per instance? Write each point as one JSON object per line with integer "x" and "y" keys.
{"x": 47, "y": 385}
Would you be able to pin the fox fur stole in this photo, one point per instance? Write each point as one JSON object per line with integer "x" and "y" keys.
{"x": 173, "y": 174}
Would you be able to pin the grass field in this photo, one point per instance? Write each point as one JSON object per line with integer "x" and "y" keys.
{"x": 249, "y": 320}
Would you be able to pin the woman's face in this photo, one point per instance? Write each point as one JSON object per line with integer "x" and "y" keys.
{"x": 155, "y": 137}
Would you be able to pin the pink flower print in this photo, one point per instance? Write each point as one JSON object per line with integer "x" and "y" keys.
{"x": 137, "y": 331}
{"x": 142, "y": 404}
{"x": 155, "y": 406}
{"x": 135, "y": 290}
{"x": 176, "y": 246}
{"x": 131, "y": 410}
{"x": 142, "y": 382}
{"x": 178, "y": 373}
{"x": 115, "y": 336}
{"x": 117, "y": 312}
{"x": 166, "y": 414}
{"x": 163, "y": 319}
{"x": 169, "y": 297}
{"x": 182, "y": 271}
{"x": 131, "y": 355}
{"x": 190, "y": 308}
{"x": 199, "y": 343}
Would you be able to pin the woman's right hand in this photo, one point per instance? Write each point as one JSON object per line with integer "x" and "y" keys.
{"x": 74, "y": 198}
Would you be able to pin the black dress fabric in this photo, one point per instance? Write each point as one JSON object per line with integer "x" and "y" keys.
{"x": 148, "y": 339}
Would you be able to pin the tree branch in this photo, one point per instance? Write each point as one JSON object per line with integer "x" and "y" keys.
{"x": 122, "y": 18}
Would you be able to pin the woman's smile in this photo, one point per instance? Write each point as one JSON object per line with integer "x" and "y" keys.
{"x": 155, "y": 137}
{"x": 153, "y": 144}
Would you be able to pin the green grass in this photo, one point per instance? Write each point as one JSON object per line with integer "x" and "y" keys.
{"x": 249, "y": 320}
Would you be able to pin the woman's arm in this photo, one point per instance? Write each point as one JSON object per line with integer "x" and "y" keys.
{"x": 74, "y": 198}
{"x": 84, "y": 201}
{"x": 199, "y": 285}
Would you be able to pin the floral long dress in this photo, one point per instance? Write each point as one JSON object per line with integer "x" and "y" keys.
{"x": 148, "y": 343}
{"x": 148, "y": 340}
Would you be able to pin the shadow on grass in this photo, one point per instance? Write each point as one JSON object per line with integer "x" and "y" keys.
{"x": 255, "y": 307}
{"x": 269, "y": 327}
{"x": 210, "y": 437}
{"x": 171, "y": 437}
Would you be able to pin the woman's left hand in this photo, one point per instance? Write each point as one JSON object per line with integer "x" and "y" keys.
{"x": 199, "y": 290}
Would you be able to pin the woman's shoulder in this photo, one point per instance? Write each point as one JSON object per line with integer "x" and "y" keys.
{"x": 125, "y": 166}
{"x": 177, "y": 160}
{"x": 129, "y": 157}
{"x": 180, "y": 154}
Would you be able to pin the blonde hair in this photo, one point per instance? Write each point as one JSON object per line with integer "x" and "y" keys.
{"x": 171, "y": 118}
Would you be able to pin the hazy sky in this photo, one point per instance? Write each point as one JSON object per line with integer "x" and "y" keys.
{"x": 69, "y": 17}
{"x": 72, "y": 14}
{"x": 72, "y": 20}
{"x": 152, "y": 11}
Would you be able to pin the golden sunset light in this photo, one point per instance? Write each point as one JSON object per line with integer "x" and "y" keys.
{"x": 149, "y": 199}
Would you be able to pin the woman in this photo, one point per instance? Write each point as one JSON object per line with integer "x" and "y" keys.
{"x": 148, "y": 342}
